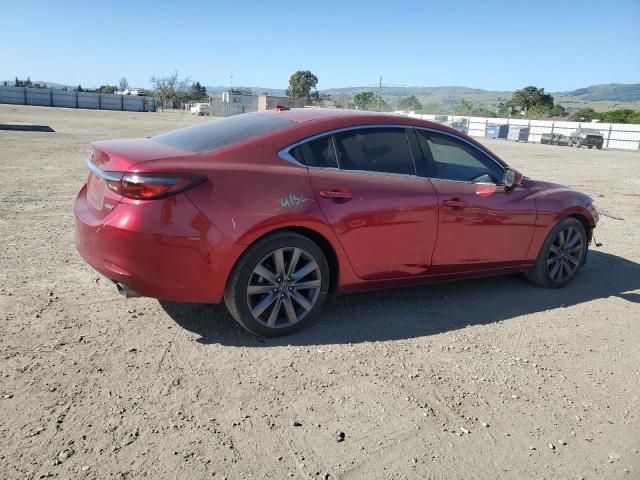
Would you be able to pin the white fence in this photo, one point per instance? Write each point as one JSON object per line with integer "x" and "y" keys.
{"x": 616, "y": 135}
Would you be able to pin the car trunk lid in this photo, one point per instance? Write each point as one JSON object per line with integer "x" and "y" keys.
{"x": 109, "y": 160}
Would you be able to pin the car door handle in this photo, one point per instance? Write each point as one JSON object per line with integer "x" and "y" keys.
{"x": 336, "y": 194}
{"x": 455, "y": 203}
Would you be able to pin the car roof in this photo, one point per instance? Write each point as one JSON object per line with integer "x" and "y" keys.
{"x": 318, "y": 114}
{"x": 337, "y": 117}
{"x": 325, "y": 118}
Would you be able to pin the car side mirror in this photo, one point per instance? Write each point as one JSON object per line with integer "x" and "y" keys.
{"x": 511, "y": 178}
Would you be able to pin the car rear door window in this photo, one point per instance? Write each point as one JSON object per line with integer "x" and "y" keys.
{"x": 384, "y": 149}
{"x": 453, "y": 159}
{"x": 316, "y": 153}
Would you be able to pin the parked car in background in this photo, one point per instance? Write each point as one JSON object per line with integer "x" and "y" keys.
{"x": 586, "y": 136}
{"x": 200, "y": 109}
{"x": 271, "y": 212}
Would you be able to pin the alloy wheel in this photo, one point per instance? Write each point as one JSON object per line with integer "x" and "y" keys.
{"x": 565, "y": 254}
{"x": 284, "y": 287}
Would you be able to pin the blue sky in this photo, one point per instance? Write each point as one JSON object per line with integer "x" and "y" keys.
{"x": 502, "y": 45}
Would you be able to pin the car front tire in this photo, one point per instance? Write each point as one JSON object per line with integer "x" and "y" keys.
{"x": 561, "y": 256}
{"x": 278, "y": 285}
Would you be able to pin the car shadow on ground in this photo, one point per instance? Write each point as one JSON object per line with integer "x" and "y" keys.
{"x": 423, "y": 310}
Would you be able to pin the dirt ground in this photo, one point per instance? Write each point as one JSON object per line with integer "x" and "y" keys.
{"x": 481, "y": 379}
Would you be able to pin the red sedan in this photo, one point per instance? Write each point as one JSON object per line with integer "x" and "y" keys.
{"x": 273, "y": 211}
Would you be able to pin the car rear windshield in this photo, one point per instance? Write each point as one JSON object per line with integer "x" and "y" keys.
{"x": 221, "y": 133}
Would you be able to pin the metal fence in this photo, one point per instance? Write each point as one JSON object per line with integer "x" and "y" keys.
{"x": 226, "y": 109}
{"x": 49, "y": 97}
{"x": 616, "y": 135}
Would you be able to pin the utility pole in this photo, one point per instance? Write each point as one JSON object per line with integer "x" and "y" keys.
{"x": 379, "y": 93}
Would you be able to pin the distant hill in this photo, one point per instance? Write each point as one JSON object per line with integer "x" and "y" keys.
{"x": 610, "y": 96}
{"x": 612, "y": 92}
{"x": 446, "y": 97}
{"x": 599, "y": 97}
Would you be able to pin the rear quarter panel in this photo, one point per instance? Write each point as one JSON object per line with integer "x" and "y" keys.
{"x": 252, "y": 192}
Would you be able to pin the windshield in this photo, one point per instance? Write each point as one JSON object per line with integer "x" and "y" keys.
{"x": 222, "y": 133}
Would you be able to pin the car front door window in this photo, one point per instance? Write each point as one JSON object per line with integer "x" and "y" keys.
{"x": 452, "y": 159}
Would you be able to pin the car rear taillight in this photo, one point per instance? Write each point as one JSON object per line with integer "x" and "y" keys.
{"x": 150, "y": 186}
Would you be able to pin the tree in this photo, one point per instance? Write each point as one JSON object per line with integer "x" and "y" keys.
{"x": 483, "y": 112}
{"x": 79, "y": 89}
{"x": 170, "y": 88}
{"x": 342, "y": 100}
{"x": 124, "y": 85}
{"x": 243, "y": 91}
{"x": 432, "y": 108}
{"x": 23, "y": 83}
{"x": 318, "y": 98}
{"x": 364, "y": 100}
{"x": 622, "y": 115}
{"x": 558, "y": 111}
{"x": 410, "y": 103}
{"x": 529, "y": 97}
{"x": 582, "y": 115}
{"x": 463, "y": 107}
{"x": 370, "y": 101}
{"x": 198, "y": 92}
{"x": 505, "y": 109}
{"x": 300, "y": 84}
{"x": 108, "y": 89}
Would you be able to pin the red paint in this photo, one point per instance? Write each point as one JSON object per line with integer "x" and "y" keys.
{"x": 385, "y": 230}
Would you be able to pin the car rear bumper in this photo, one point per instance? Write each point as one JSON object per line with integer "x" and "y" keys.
{"x": 161, "y": 248}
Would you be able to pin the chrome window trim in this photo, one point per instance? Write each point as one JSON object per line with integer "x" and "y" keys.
{"x": 285, "y": 155}
{"x": 108, "y": 176}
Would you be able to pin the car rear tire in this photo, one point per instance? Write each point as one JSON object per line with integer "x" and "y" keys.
{"x": 561, "y": 256}
{"x": 278, "y": 284}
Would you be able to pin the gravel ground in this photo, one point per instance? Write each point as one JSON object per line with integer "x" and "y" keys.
{"x": 489, "y": 378}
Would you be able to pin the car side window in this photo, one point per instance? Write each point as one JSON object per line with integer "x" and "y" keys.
{"x": 384, "y": 149}
{"x": 316, "y": 153}
{"x": 455, "y": 160}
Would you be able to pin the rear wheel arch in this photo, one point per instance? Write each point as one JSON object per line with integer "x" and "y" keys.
{"x": 328, "y": 250}
{"x": 316, "y": 237}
